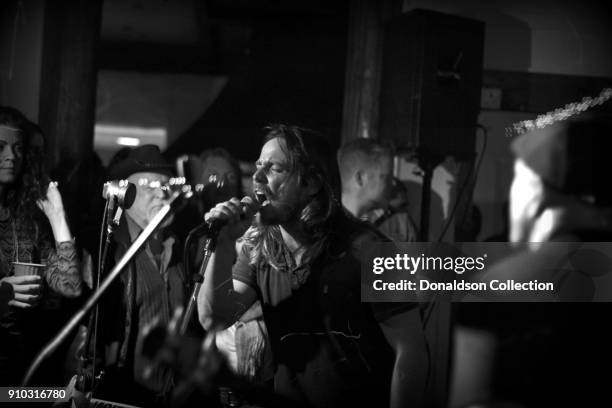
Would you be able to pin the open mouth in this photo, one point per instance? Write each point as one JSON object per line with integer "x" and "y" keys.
{"x": 261, "y": 197}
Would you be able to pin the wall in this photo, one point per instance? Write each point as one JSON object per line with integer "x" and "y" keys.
{"x": 557, "y": 37}
{"x": 152, "y": 100}
{"x": 535, "y": 37}
{"x": 21, "y": 39}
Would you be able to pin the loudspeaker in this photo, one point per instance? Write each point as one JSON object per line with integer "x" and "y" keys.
{"x": 430, "y": 87}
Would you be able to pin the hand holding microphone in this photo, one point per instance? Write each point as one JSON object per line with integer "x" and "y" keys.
{"x": 235, "y": 214}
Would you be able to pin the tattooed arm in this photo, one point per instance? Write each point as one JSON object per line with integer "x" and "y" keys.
{"x": 63, "y": 273}
{"x": 63, "y": 268}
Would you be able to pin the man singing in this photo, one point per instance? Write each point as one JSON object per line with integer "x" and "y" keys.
{"x": 300, "y": 258}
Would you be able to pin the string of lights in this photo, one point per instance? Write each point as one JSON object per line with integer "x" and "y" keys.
{"x": 559, "y": 114}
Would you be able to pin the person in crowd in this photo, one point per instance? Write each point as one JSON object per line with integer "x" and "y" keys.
{"x": 369, "y": 190}
{"x": 366, "y": 173}
{"x": 559, "y": 194}
{"x": 33, "y": 230}
{"x": 219, "y": 164}
{"x": 300, "y": 258}
{"x": 151, "y": 287}
{"x": 395, "y": 221}
{"x": 219, "y": 172}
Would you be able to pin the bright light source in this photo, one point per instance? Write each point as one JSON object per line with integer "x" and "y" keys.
{"x": 131, "y": 131}
{"x": 109, "y": 136}
{"x": 128, "y": 141}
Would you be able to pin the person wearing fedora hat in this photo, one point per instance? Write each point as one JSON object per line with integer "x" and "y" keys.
{"x": 560, "y": 181}
{"x": 559, "y": 193}
{"x": 151, "y": 288}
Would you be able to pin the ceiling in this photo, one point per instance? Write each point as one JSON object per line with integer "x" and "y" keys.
{"x": 194, "y": 36}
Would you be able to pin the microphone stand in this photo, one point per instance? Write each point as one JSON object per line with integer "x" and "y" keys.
{"x": 208, "y": 248}
{"x": 198, "y": 279}
{"x": 112, "y": 222}
{"x": 52, "y": 345}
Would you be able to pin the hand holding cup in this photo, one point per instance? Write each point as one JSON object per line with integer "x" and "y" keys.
{"x": 26, "y": 290}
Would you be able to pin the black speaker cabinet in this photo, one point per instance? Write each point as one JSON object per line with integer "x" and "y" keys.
{"x": 430, "y": 88}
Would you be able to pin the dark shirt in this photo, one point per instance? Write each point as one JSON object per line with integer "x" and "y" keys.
{"x": 149, "y": 290}
{"x": 551, "y": 354}
{"x": 327, "y": 344}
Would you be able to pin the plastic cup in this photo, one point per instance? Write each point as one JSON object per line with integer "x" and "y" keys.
{"x": 25, "y": 269}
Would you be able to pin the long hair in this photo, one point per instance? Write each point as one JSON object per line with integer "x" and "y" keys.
{"x": 310, "y": 159}
{"x": 31, "y": 183}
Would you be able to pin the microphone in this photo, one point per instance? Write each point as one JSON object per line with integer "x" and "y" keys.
{"x": 182, "y": 167}
{"x": 249, "y": 208}
{"x": 121, "y": 190}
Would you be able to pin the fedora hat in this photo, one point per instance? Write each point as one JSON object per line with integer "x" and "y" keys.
{"x": 142, "y": 159}
{"x": 572, "y": 156}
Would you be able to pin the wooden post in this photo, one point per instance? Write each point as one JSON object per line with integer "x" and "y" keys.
{"x": 68, "y": 77}
{"x": 363, "y": 66}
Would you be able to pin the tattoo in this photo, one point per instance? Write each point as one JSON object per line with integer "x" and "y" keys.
{"x": 62, "y": 274}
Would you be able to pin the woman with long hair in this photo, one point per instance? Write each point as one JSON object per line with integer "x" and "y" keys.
{"x": 38, "y": 259}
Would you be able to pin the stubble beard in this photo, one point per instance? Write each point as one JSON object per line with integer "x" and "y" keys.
{"x": 280, "y": 214}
